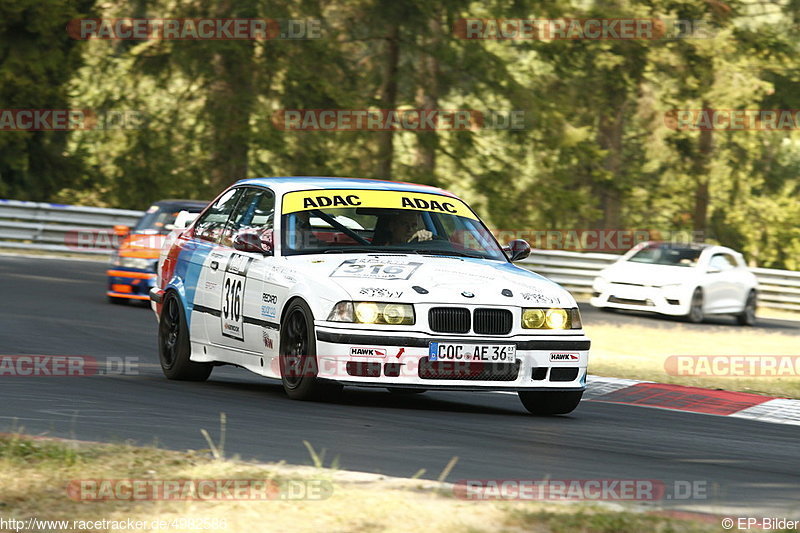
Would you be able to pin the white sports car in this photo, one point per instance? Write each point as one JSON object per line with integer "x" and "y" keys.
{"x": 689, "y": 280}
{"x": 325, "y": 282}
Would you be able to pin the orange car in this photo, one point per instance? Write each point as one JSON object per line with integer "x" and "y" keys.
{"x": 133, "y": 265}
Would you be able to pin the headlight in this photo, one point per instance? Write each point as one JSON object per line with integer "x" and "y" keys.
{"x": 532, "y": 318}
{"x": 553, "y": 318}
{"x": 556, "y": 319}
{"x": 367, "y": 312}
{"x": 373, "y": 313}
{"x": 133, "y": 262}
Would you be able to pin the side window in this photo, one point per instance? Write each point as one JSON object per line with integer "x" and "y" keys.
{"x": 211, "y": 224}
{"x": 256, "y": 210}
{"x": 722, "y": 262}
{"x": 731, "y": 260}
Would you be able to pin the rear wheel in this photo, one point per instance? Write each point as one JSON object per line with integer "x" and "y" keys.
{"x": 174, "y": 348}
{"x": 550, "y": 403}
{"x": 748, "y": 316}
{"x": 696, "y": 314}
{"x": 298, "y": 356}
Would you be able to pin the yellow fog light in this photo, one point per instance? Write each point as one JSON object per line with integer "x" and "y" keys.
{"x": 532, "y": 318}
{"x": 395, "y": 314}
{"x": 556, "y": 318}
{"x": 366, "y": 312}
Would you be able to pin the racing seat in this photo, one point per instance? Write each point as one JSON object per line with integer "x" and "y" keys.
{"x": 382, "y": 234}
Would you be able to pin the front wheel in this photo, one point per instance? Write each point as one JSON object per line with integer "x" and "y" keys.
{"x": 696, "y": 314}
{"x": 748, "y": 315}
{"x": 174, "y": 348}
{"x": 550, "y": 403}
{"x": 298, "y": 356}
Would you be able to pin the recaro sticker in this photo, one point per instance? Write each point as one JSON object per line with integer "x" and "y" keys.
{"x": 324, "y": 198}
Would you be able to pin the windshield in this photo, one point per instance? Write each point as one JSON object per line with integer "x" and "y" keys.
{"x": 663, "y": 254}
{"x": 344, "y": 221}
{"x": 161, "y": 218}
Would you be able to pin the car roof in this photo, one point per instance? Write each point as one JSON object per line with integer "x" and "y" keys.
{"x": 284, "y": 184}
{"x": 704, "y": 247}
{"x": 679, "y": 245}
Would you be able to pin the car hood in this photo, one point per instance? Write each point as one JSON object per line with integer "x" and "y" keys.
{"x": 648, "y": 274}
{"x": 432, "y": 279}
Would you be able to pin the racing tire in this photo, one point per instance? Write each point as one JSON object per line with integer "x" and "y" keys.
{"x": 748, "y": 316}
{"x": 545, "y": 403}
{"x": 174, "y": 347}
{"x": 298, "y": 356}
{"x": 696, "y": 315}
{"x": 405, "y": 392}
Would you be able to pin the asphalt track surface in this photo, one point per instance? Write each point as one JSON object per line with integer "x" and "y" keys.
{"x": 58, "y": 307}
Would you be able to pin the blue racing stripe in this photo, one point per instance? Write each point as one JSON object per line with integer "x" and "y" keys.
{"x": 188, "y": 269}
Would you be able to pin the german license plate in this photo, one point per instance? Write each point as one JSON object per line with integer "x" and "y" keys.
{"x": 486, "y": 353}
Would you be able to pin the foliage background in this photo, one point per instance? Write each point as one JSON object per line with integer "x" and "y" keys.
{"x": 595, "y": 153}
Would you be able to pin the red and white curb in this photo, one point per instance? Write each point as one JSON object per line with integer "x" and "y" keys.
{"x": 693, "y": 399}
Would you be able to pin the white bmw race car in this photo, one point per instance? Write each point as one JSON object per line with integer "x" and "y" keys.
{"x": 326, "y": 282}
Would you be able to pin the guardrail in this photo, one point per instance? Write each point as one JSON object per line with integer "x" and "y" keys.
{"x": 58, "y": 228}
{"x": 52, "y": 227}
{"x": 777, "y": 289}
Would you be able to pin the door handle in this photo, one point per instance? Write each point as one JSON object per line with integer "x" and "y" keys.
{"x": 214, "y": 265}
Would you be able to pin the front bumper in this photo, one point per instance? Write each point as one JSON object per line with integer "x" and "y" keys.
{"x": 130, "y": 283}
{"x": 673, "y": 301}
{"x": 402, "y": 360}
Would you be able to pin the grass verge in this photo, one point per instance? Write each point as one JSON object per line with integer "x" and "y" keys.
{"x": 35, "y": 474}
{"x": 640, "y": 352}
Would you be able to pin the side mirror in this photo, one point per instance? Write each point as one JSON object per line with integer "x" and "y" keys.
{"x": 184, "y": 219}
{"x": 122, "y": 230}
{"x": 517, "y": 250}
{"x": 255, "y": 242}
